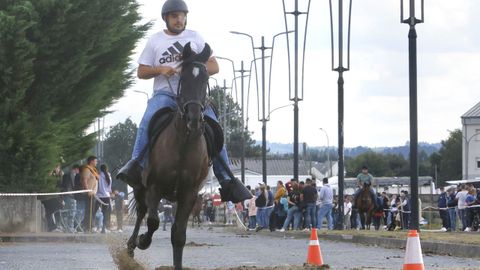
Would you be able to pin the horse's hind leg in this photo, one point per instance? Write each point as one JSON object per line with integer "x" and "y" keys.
{"x": 141, "y": 210}
{"x": 179, "y": 228}
{"x": 153, "y": 222}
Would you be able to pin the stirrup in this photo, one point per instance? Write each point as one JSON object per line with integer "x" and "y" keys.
{"x": 131, "y": 173}
{"x": 234, "y": 191}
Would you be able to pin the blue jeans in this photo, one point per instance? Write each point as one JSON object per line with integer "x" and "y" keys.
{"x": 462, "y": 214}
{"x": 453, "y": 218}
{"x": 311, "y": 213}
{"x": 325, "y": 210}
{"x": 263, "y": 216}
{"x": 295, "y": 213}
{"x": 80, "y": 215}
{"x": 252, "y": 222}
{"x": 71, "y": 206}
{"x": 165, "y": 99}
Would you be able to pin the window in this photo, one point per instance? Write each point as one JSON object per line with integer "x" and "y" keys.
{"x": 477, "y": 137}
{"x": 478, "y": 163}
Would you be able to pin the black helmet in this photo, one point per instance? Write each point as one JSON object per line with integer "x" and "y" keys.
{"x": 173, "y": 5}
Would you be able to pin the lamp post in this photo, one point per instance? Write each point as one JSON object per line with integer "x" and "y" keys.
{"x": 297, "y": 95}
{"x": 263, "y": 119}
{"x": 412, "y": 67}
{"x": 328, "y": 153}
{"x": 467, "y": 147}
{"x": 340, "y": 69}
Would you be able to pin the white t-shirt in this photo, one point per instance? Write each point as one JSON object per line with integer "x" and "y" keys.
{"x": 165, "y": 50}
{"x": 347, "y": 208}
{"x": 461, "y": 196}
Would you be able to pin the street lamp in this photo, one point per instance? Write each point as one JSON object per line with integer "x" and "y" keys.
{"x": 277, "y": 108}
{"x": 296, "y": 98}
{"x": 412, "y": 61}
{"x": 340, "y": 69}
{"x": 328, "y": 152}
{"x": 467, "y": 147}
{"x": 263, "y": 119}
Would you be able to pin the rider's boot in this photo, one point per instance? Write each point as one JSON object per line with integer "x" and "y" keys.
{"x": 233, "y": 190}
{"x": 131, "y": 173}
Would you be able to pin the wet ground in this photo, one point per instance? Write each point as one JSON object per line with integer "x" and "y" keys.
{"x": 214, "y": 248}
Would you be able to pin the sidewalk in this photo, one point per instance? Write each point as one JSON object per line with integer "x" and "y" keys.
{"x": 53, "y": 237}
{"x": 428, "y": 247}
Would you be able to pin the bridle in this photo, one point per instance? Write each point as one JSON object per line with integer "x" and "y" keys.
{"x": 183, "y": 105}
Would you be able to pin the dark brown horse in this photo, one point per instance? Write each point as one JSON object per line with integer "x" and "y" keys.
{"x": 178, "y": 161}
{"x": 365, "y": 206}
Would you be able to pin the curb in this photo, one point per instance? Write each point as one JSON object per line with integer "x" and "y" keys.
{"x": 75, "y": 238}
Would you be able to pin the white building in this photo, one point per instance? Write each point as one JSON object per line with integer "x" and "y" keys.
{"x": 471, "y": 143}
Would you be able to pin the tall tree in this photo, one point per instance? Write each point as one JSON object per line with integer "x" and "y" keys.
{"x": 62, "y": 62}
{"x": 230, "y": 119}
{"x": 450, "y": 167}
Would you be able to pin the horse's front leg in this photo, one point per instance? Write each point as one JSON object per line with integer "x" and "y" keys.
{"x": 141, "y": 210}
{"x": 179, "y": 228}
{"x": 362, "y": 220}
{"x": 153, "y": 222}
{"x": 369, "y": 219}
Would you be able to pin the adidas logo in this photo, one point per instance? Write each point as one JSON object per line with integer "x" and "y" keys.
{"x": 172, "y": 54}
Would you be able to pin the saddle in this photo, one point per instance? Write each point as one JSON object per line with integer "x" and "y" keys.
{"x": 213, "y": 133}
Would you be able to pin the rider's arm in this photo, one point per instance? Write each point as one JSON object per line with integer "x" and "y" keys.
{"x": 212, "y": 66}
{"x": 147, "y": 72}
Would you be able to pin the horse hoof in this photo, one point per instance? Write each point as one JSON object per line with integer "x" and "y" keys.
{"x": 144, "y": 242}
{"x": 130, "y": 252}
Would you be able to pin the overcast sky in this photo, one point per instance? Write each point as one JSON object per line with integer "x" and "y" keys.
{"x": 376, "y": 87}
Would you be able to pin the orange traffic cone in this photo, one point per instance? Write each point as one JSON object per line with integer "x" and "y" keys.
{"x": 413, "y": 253}
{"x": 314, "y": 256}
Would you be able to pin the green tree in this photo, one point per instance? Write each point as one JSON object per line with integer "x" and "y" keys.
{"x": 450, "y": 165}
{"x": 118, "y": 147}
{"x": 62, "y": 62}
{"x": 230, "y": 117}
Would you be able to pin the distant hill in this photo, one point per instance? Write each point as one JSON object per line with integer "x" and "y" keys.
{"x": 428, "y": 148}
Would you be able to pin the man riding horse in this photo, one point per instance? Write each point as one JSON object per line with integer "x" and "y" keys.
{"x": 160, "y": 60}
{"x": 364, "y": 178}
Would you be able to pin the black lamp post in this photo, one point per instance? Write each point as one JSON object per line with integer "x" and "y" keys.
{"x": 412, "y": 68}
{"x": 340, "y": 69}
{"x": 263, "y": 118}
{"x": 297, "y": 93}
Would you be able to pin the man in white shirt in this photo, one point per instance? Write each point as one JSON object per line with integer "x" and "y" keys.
{"x": 160, "y": 60}
{"x": 461, "y": 205}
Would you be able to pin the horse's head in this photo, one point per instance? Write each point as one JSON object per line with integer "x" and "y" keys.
{"x": 193, "y": 86}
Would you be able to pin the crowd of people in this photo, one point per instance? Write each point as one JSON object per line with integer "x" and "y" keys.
{"x": 90, "y": 209}
{"x": 459, "y": 203}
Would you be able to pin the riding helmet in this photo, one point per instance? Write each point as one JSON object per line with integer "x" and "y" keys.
{"x": 174, "y": 5}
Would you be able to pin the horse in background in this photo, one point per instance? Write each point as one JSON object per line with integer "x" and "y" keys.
{"x": 178, "y": 161}
{"x": 365, "y": 206}
{"x": 197, "y": 209}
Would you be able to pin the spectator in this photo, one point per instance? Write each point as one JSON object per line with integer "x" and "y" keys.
{"x": 167, "y": 213}
{"x": 347, "y": 212}
{"x": 262, "y": 207}
{"x": 294, "y": 212}
{"x": 252, "y": 212}
{"x": 209, "y": 210}
{"x": 405, "y": 206}
{"x": 52, "y": 205}
{"x": 278, "y": 215}
{"x": 230, "y": 207}
{"x": 326, "y": 199}
{"x": 104, "y": 193}
{"x": 470, "y": 200}
{"x": 386, "y": 208}
{"x": 442, "y": 209}
{"x": 461, "y": 205}
{"x": 309, "y": 197}
{"x": 118, "y": 198}
{"x": 67, "y": 185}
{"x": 89, "y": 178}
{"x": 451, "y": 204}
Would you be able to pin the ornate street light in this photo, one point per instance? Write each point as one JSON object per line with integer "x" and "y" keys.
{"x": 263, "y": 118}
{"x": 412, "y": 61}
{"x": 340, "y": 68}
{"x": 328, "y": 153}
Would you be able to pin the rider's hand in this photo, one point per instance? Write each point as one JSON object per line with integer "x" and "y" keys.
{"x": 167, "y": 71}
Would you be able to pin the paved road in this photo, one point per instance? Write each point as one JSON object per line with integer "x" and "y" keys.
{"x": 214, "y": 248}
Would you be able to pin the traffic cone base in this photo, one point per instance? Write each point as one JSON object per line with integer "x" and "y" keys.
{"x": 413, "y": 252}
{"x": 314, "y": 256}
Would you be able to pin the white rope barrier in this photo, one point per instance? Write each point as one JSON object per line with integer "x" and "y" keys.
{"x": 44, "y": 194}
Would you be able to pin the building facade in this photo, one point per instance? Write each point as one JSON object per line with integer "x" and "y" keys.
{"x": 471, "y": 143}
